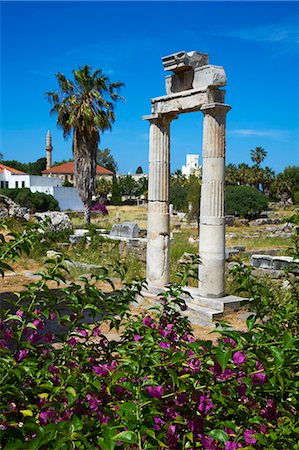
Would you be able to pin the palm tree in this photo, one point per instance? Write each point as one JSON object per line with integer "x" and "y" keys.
{"x": 258, "y": 155}
{"x": 85, "y": 108}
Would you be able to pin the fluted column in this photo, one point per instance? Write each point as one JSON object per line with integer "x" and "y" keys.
{"x": 157, "y": 259}
{"x": 212, "y": 214}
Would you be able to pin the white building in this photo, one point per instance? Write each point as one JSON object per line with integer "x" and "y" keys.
{"x": 191, "y": 167}
{"x": 67, "y": 197}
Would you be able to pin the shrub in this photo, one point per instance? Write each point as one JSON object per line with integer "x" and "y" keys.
{"x": 156, "y": 387}
{"x": 245, "y": 201}
{"x": 35, "y": 201}
{"x": 99, "y": 208}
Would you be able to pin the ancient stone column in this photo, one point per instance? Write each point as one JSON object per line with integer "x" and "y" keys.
{"x": 157, "y": 260}
{"x": 212, "y": 215}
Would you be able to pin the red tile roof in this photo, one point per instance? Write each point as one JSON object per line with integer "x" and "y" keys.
{"x": 68, "y": 167}
{"x": 11, "y": 169}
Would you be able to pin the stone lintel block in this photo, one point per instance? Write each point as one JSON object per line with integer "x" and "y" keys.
{"x": 182, "y": 102}
{"x": 204, "y": 77}
{"x": 209, "y": 76}
{"x": 184, "y": 61}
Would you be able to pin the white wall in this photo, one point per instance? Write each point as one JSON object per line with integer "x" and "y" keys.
{"x": 68, "y": 198}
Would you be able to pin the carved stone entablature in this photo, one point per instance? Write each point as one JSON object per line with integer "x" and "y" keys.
{"x": 183, "y": 61}
{"x": 183, "y": 102}
{"x": 216, "y": 95}
{"x": 191, "y": 71}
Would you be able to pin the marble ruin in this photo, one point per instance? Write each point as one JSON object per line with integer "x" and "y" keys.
{"x": 193, "y": 86}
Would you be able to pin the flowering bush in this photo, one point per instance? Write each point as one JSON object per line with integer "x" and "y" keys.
{"x": 65, "y": 385}
{"x": 99, "y": 208}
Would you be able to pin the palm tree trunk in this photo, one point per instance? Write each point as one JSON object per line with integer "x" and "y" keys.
{"x": 87, "y": 213}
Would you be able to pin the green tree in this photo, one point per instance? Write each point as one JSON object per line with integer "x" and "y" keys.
{"x": 85, "y": 108}
{"x": 139, "y": 169}
{"x": 103, "y": 188}
{"x": 258, "y": 155}
{"x": 115, "y": 192}
{"x": 106, "y": 160}
{"x": 36, "y": 167}
{"x": 245, "y": 201}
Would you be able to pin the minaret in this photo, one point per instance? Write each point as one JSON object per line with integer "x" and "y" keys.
{"x": 49, "y": 149}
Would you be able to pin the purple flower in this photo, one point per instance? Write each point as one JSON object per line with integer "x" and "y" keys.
{"x": 137, "y": 337}
{"x": 101, "y": 370}
{"x": 205, "y": 404}
{"x": 45, "y": 416}
{"x": 20, "y": 313}
{"x": 248, "y": 437}
{"x": 232, "y": 445}
{"x": 83, "y": 333}
{"x": 22, "y": 354}
{"x": 208, "y": 443}
{"x": 148, "y": 322}
{"x": 38, "y": 323}
{"x": 52, "y": 316}
{"x": 241, "y": 389}
{"x": 238, "y": 357}
{"x": 164, "y": 344}
{"x": 72, "y": 341}
{"x": 96, "y": 331}
{"x": 270, "y": 412}
{"x": 155, "y": 391}
{"x": 158, "y": 422}
{"x": 229, "y": 341}
{"x": 260, "y": 377}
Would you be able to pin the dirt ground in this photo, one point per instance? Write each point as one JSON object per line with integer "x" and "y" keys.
{"x": 17, "y": 281}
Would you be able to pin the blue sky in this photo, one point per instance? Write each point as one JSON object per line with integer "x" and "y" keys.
{"x": 256, "y": 42}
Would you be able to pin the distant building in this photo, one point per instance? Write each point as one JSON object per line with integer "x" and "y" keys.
{"x": 191, "y": 167}
{"x": 66, "y": 172}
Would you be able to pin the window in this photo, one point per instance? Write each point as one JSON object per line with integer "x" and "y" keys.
{"x": 23, "y": 184}
{"x": 17, "y": 184}
{"x": 2, "y": 184}
{"x": 6, "y": 184}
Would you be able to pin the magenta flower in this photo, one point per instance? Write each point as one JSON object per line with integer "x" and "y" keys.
{"x": 205, "y": 404}
{"x": 83, "y": 333}
{"x": 20, "y": 313}
{"x": 38, "y": 323}
{"x": 232, "y": 445}
{"x": 249, "y": 437}
{"x": 46, "y": 416}
{"x": 137, "y": 337}
{"x": 52, "y": 316}
{"x": 101, "y": 370}
{"x": 72, "y": 341}
{"x": 148, "y": 322}
{"x": 155, "y": 391}
{"x": 164, "y": 344}
{"x": 158, "y": 422}
{"x": 260, "y": 377}
{"x": 96, "y": 331}
{"x": 22, "y": 354}
{"x": 238, "y": 357}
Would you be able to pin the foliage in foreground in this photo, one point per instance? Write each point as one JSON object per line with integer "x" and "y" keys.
{"x": 65, "y": 385}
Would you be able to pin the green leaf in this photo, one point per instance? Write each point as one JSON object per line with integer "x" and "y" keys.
{"x": 250, "y": 321}
{"x": 223, "y": 357}
{"x": 219, "y": 435}
{"x": 126, "y": 436}
{"x": 278, "y": 356}
{"x": 70, "y": 390}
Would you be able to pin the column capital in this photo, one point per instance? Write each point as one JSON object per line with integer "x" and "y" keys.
{"x": 160, "y": 118}
{"x": 215, "y": 109}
